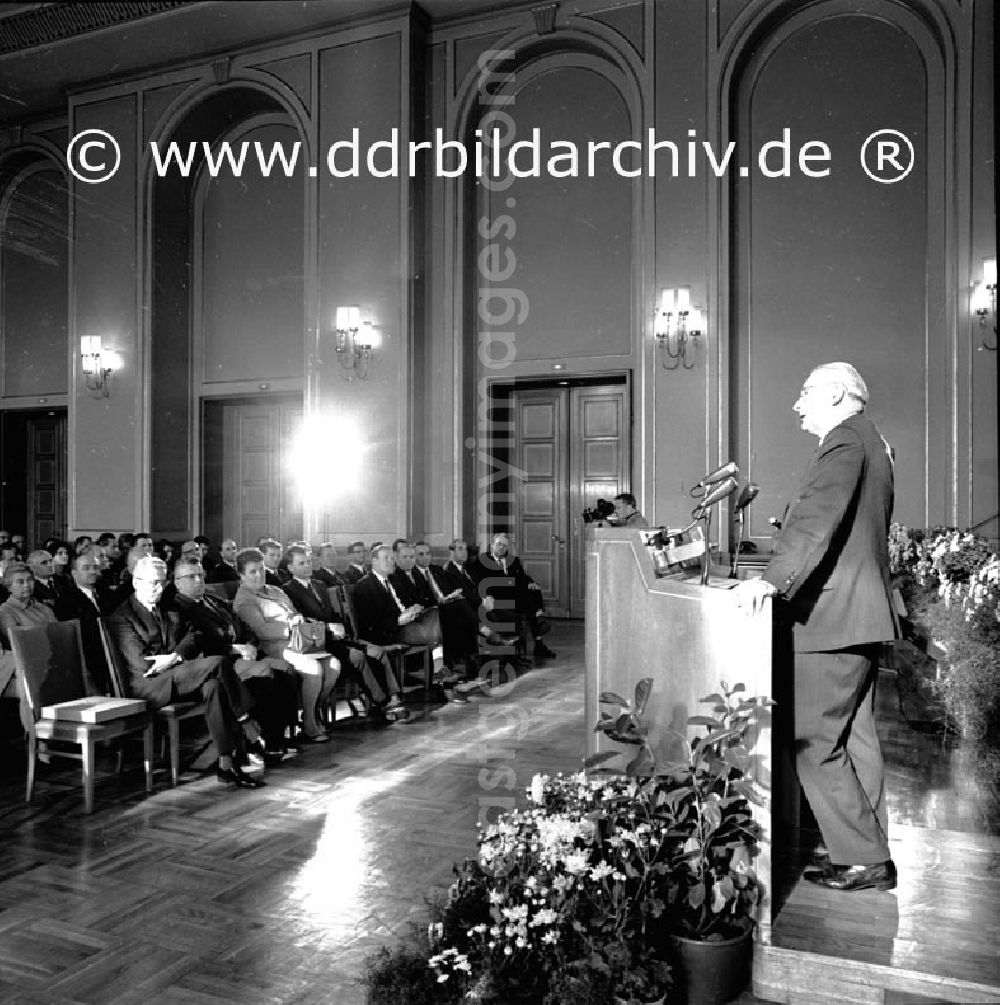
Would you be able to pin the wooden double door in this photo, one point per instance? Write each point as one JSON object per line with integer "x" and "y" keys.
{"x": 249, "y": 487}
{"x": 572, "y": 446}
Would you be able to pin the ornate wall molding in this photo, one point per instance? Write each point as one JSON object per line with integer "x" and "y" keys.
{"x": 55, "y": 22}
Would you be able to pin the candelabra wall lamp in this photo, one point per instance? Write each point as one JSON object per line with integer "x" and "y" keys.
{"x": 678, "y": 329}
{"x": 356, "y": 342}
{"x": 98, "y": 364}
{"x": 984, "y": 303}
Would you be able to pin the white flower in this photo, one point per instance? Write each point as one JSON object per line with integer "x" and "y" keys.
{"x": 575, "y": 864}
{"x": 599, "y": 871}
{"x": 537, "y": 790}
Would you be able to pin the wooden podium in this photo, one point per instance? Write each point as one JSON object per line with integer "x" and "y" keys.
{"x": 688, "y": 638}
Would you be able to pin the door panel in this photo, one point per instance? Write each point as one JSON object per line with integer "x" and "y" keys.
{"x": 540, "y": 461}
{"x": 258, "y": 496}
{"x": 47, "y": 488}
{"x": 599, "y": 426}
{"x": 572, "y": 447}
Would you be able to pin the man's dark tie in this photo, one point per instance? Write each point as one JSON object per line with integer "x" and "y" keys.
{"x": 158, "y": 621}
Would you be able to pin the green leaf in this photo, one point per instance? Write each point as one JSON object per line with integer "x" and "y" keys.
{"x": 643, "y": 689}
{"x": 623, "y": 722}
{"x": 600, "y": 758}
{"x": 704, "y": 720}
{"x": 717, "y": 698}
{"x": 613, "y": 699}
{"x": 696, "y": 895}
{"x": 642, "y": 764}
{"x": 737, "y": 688}
{"x": 736, "y": 757}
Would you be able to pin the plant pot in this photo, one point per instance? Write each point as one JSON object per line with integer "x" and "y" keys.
{"x": 711, "y": 973}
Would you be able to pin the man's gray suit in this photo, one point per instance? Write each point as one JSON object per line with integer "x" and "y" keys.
{"x": 831, "y": 565}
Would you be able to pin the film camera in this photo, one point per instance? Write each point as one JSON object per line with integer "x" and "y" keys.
{"x": 601, "y": 511}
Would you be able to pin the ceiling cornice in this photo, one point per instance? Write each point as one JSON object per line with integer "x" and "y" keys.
{"x": 47, "y": 23}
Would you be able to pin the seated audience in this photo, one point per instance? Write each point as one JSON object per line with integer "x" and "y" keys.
{"x": 326, "y": 572}
{"x": 357, "y": 568}
{"x": 514, "y": 594}
{"x": 270, "y": 615}
{"x": 20, "y": 546}
{"x": 19, "y": 610}
{"x": 273, "y": 571}
{"x": 207, "y": 558}
{"x": 151, "y": 642}
{"x": 83, "y": 541}
{"x": 367, "y": 665}
{"x": 211, "y": 628}
{"x": 144, "y": 543}
{"x": 47, "y": 587}
{"x": 384, "y": 618}
{"x": 87, "y": 599}
{"x": 455, "y": 583}
{"x": 165, "y": 549}
{"x": 459, "y": 623}
{"x": 224, "y": 571}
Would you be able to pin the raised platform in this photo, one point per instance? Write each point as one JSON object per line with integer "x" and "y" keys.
{"x": 936, "y": 937}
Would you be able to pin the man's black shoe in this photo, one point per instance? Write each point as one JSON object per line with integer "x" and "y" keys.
{"x": 543, "y": 652}
{"x": 237, "y": 778}
{"x": 542, "y": 627}
{"x": 855, "y": 877}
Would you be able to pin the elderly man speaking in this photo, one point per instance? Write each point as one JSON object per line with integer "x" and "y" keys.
{"x": 831, "y": 567}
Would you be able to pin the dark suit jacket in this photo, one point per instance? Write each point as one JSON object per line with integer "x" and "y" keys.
{"x": 221, "y": 572}
{"x": 831, "y": 558}
{"x": 328, "y": 578}
{"x": 209, "y": 627}
{"x": 278, "y": 578}
{"x": 511, "y": 590}
{"x": 377, "y": 613}
{"x": 413, "y": 589}
{"x": 74, "y": 603}
{"x": 352, "y": 574}
{"x": 459, "y": 578}
{"x": 48, "y": 593}
{"x": 136, "y": 635}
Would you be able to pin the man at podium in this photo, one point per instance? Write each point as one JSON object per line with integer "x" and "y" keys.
{"x": 831, "y": 567}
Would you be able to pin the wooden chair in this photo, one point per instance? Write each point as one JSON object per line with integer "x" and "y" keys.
{"x": 346, "y": 690}
{"x": 397, "y": 653}
{"x": 49, "y": 662}
{"x": 170, "y": 715}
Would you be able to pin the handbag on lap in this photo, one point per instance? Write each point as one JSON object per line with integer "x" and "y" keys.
{"x": 307, "y": 637}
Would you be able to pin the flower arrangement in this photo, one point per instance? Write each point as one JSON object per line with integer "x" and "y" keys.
{"x": 571, "y": 895}
{"x": 711, "y": 836}
{"x": 951, "y": 586}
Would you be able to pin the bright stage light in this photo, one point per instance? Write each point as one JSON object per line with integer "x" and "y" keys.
{"x": 327, "y": 457}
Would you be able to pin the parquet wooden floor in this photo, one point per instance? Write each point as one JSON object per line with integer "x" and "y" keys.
{"x": 197, "y": 895}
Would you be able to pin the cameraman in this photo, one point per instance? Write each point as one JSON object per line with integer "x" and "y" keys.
{"x": 626, "y": 515}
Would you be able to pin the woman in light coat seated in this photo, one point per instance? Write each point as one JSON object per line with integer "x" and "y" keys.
{"x": 270, "y": 615}
{"x": 19, "y": 610}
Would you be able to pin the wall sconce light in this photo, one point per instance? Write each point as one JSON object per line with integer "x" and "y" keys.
{"x": 355, "y": 342}
{"x": 97, "y": 364}
{"x": 678, "y": 327}
{"x": 984, "y": 303}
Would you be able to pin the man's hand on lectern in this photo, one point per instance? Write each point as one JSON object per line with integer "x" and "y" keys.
{"x": 750, "y": 595}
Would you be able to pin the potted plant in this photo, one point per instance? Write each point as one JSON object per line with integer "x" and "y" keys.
{"x": 706, "y": 882}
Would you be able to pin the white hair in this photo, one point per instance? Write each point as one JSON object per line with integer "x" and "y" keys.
{"x": 847, "y": 376}
{"x": 148, "y": 564}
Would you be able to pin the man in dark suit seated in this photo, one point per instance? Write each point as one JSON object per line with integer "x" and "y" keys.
{"x": 210, "y": 628}
{"x": 327, "y": 572}
{"x": 148, "y": 640}
{"x": 87, "y": 600}
{"x": 47, "y": 587}
{"x": 511, "y": 594}
{"x": 357, "y": 568}
{"x": 831, "y": 569}
{"x": 274, "y": 574}
{"x": 312, "y": 600}
{"x": 385, "y": 619}
{"x": 459, "y": 625}
{"x": 224, "y": 571}
{"x": 454, "y": 594}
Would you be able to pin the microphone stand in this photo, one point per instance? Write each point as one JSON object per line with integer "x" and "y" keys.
{"x": 735, "y": 568}
{"x": 706, "y": 557}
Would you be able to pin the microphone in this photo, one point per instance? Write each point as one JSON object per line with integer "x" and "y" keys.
{"x": 723, "y": 489}
{"x": 726, "y": 471}
{"x": 747, "y": 496}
